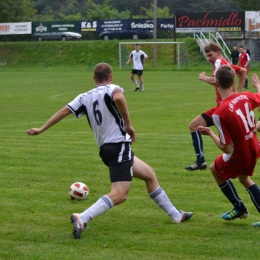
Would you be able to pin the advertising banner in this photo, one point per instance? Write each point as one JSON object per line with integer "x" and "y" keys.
{"x": 147, "y": 24}
{"x": 55, "y": 27}
{"x": 252, "y": 21}
{"x": 88, "y": 26}
{"x": 141, "y": 24}
{"x": 111, "y": 25}
{"x": 165, "y": 24}
{"x": 128, "y": 24}
{"x": 210, "y": 22}
{"x": 15, "y": 28}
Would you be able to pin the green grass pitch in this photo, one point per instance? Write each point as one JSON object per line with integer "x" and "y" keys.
{"x": 37, "y": 171}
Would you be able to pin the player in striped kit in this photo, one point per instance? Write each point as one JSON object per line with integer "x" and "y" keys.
{"x": 107, "y": 113}
{"x": 139, "y": 58}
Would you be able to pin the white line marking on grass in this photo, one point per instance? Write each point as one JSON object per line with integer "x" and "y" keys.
{"x": 167, "y": 107}
{"x": 59, "y": 95}
{"x": 33, "y": 124}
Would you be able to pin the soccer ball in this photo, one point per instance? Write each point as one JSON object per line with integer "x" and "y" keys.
{"x": 78, "y": 191}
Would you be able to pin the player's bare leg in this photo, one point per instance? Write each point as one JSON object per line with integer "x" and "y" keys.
{"x": 141, "y": 82}
{"x": 146, "y": 173}
{"x": 132, "y": 76}
{"x": 118, "y": 194}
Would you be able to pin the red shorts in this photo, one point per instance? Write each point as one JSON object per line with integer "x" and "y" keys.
{"x": 232, "y": 169}
{"x": 210, "y": 112}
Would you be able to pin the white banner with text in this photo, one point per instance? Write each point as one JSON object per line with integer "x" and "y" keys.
{"x": 15, "y": 28}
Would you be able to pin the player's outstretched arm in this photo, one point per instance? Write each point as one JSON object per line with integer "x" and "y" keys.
{"x": 226, "y": 148}
{"x": 256, "y": 82}
{"x": 121, "y": 105}
{"x": 128, "y": 61}
{"x": 58, "y": 116}
{"x": 209, "y": 80}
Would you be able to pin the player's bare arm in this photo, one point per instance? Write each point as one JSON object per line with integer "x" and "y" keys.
{"x": 121, "y": 105}
{"x": 130, "y": 59}
{"x": 145, "y": 60}
{"x": 226, "y": 148}
{"x": 209, "y": 80}
{"x": 247, "y": 62}
{"x": 256, "y": 81}
{"x": 256, "y": 84}
{"x": 58, "y": 116}
{"x": 242, "y": 75}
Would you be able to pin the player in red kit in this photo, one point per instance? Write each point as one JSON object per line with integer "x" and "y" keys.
{"x": 243, "y": 61}
{"x": 235, "y": 121}
{"x": 213, "y": 53}
{"x": 256, "y": 83}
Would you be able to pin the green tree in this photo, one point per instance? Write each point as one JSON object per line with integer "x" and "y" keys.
{"x": 119, "y": 9}
{"x": 191, "y": 6}
{"x": 248, "y": 5}
{"x": 215, "y": 6}
{"x": 149, "y": 13}
{"x": 71, "y": 17}
{"x": 16, "y": 11}
{"x": 104, "y": 11}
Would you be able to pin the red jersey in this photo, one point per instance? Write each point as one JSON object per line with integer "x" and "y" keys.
{"x": 235, "y": 121}
{"x": 243, "y": 59}
{"x": 217, "y": 64}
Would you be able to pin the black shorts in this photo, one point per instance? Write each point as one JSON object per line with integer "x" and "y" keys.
{"x": 208, "y": 120}
{"x": 119, "y": 157}
{"x": 137, "y": 72}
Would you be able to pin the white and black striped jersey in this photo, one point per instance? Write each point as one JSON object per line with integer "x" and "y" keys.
{"x": 102, "y": 114}
{"x": 138, "y": 58}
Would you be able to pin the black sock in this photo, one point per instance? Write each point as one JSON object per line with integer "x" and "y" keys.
{"x": 246, "y": 83}
{"x": 254, "y": 193}
{"x": 230, "y": 192}
{"x": 198, "y": 146}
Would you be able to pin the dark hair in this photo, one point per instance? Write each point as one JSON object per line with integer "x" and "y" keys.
{"x": 212, "y": 46}
{"x": 102, "y": 71}
{"x": 225, "y": 76}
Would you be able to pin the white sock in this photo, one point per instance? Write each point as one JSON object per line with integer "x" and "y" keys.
{"x": 159, "y": 196}
{"x": 136, "y": 83}
{"x": 98, "y": 208}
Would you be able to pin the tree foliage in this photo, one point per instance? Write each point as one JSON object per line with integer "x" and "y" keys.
{"x": 149, "y": 13}
{"x": 248, "y": 5}
{"x": 104, "y": 11}
{"x": 71, "y": 17}
{"x": 16, "y": 11}
{"x": 191, "y": 6}
{"x": 47, "y": 10}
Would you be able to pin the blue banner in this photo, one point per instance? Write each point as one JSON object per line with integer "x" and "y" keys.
{"x": 111, "y": 25}
{"x": 128, "y": 24}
